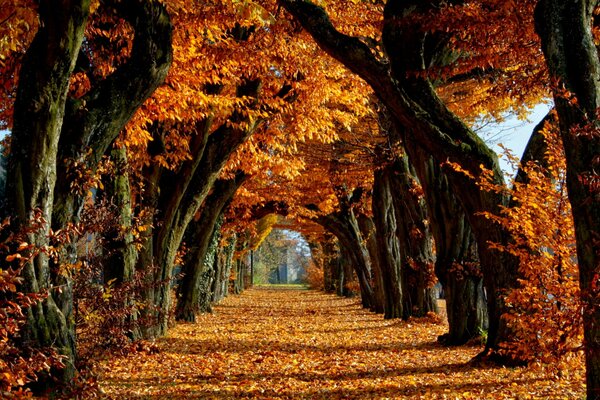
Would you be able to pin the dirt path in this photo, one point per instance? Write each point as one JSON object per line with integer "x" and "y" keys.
{"x": 293, "y": 344}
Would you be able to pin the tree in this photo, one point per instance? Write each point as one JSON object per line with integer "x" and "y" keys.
{"x": 51, "y": 127}
{"x": 568, "y": 31}
{"x": 407, "y": 89}
{"x": 230, "y": 113}
{"x": 201, "y": 233}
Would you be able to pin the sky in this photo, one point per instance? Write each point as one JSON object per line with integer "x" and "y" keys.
{"x": 513, "y": 134}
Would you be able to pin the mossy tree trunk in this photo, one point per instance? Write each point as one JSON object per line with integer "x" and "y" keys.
{"x": 120, "y": 263}
{"x": 50, "y": 129}
{"x": 201, "y": 236}
{"x": 121, "y": 252}
{"x": 39, "y": 114}
{"x": 223, "y": 262}
{"x": 571, "y": 52}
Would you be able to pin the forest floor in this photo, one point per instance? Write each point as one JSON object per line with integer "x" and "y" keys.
{"x": 302, "y": 344}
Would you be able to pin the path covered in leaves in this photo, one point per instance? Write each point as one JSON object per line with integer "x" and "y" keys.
{"x": 300, "y": 344}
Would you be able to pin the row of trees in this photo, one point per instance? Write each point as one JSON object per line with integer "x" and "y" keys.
{"x": 163, "y": 131}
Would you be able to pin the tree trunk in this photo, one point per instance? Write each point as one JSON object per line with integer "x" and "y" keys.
{"x": 330, "y": 256}
{"x": 240, "y": 270}
{"x": 387, "y": 242}
{"x": 184, "y": 194}
{"x": 119, "y": 264}
{"x": 465, "y": 305}
{"x": 572, "y": 57}
{"x": 39, "y": 113}
{"x": 122, "y": 255}
{"x": 93, "y": 121}
{"x": 344, "y": 226}
{"x": 416, "y": 244}
{"x": 223, "y": 262}
{"x": 368, "y": 230}
{"x": 202, "y": 234}
{"x": 345, "y": 274}
{"x": 49, "y": 127}
{"x": 240, "y": 265}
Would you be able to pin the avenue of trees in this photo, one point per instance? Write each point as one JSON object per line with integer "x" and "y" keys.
{"x": 152, "y": 146}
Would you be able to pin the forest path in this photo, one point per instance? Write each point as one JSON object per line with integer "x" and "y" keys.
{"x": 302, "y": 344}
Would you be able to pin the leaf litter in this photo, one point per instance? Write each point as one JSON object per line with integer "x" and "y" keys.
{"x": 303, "y": 344}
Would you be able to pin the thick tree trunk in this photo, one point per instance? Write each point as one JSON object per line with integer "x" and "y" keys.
{"x": 465, "y": 305}
{"x": 94, "y": 121}
{"x": 384, "y": 217}
{"x": 239, "y": 264}
{"x": 338, "y": 272}
{"x": 569, "y": 46}
{"x": 330, "y": 256}
{"x": 457, "y": 264}
{"x": 240, "y": 275}
{"x": 202, "y": 234}
{"x": 368, "y": 230}
{"x": 50, "y": 128}
{"x": 121, "y": 258}
{"x": 39, "y": 114}
{"x": 416, "y": 243}
{"x": 345, "y": 274}
{"x": 199, "y": 298}
{"x": 122, "y": 255}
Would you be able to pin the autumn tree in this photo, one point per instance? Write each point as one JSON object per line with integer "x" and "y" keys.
{"x": 421, "y": 54}
{"x": 53, "y": 128}
{"x": 545, "y": 309}
{"x": 569, "y": 39}
{"x": 230, "y": 113}
{"x": 202, "y": 239}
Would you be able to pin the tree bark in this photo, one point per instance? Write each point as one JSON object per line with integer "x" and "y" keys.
{"x": 572, "y": 57}
{"x": 39, "y": 114}
{"x": 346, "y": 272}
{"x": 369, "y": 232}
{"x": 330, "y": 256}
{"x": 384, "y": 217}
{"x": 223, "y": 262}
{"x": 122, "y": 255}
{"x": 201, "y": 235}
{"x": 344, "y": 226}
{"x": 416, "y": 251}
